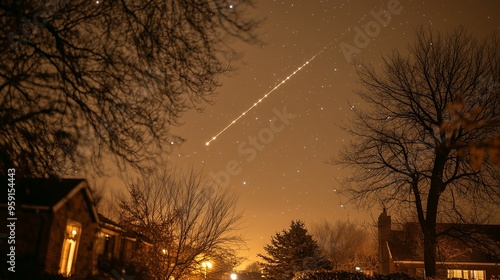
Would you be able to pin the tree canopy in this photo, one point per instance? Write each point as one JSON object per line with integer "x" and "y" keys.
{"x": 188, "y": 219}
{"x": 347, "y": 245}
{"x": 80, "y": 79}
{"x": 290, "y": 251}
{"x": 430, "y": 114}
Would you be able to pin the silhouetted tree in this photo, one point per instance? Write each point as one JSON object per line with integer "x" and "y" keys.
{"x": 79, "y": 79}
{"x": 290, "y": 251}
{"x": 253, "y": 267}
{"x": 347, "y": 245}
{"x": 411, "y": 150}
{"x": 188, "y": 220}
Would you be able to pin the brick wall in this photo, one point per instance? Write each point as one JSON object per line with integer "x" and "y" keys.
{"x": 77, "y": 209}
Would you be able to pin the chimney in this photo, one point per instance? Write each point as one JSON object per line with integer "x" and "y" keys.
{"x": 384, "y": 237}
{"x": 384, "y": 222}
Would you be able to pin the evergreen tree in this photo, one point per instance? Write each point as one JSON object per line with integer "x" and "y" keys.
{"x": 291, "y": 251}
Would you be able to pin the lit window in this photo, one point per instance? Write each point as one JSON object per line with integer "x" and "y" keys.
{"x": 69, "y": 248}
{"x": 467, "y": 274}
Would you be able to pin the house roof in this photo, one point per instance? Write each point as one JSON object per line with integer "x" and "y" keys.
{"x": 48, "y": 194}
{"x": 109, "y": 224}
{"x": 457, "y": 243}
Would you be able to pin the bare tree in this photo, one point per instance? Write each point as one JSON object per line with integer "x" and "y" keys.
{"x": 408, "y": 151}
{"x": 79, "y": 79}
{"x": 346, "y": 245}
{"x": 253, "y": 267}
{"x": 188, "y": 219}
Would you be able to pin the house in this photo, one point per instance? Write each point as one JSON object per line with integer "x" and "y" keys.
{"x": 463, "y": 252}
{"x": 58, "y": 231}
{"x": 56, "y": 224}
{"x": 115, "y": 247}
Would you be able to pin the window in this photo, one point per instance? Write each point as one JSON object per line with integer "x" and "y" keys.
{"x": 109, "y": 245}
{"x": 467, "y": 274}
{"x": 70, "y": 247}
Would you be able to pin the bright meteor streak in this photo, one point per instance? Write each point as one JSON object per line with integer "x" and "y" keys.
{"x": 261, "y": 99}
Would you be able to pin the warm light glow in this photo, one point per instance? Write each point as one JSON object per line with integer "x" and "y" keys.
{"x": 206, "y": 264}
{"x": 164, "y": 251}
{"x": 261, "y": 99}
{"x": 234, "y": 276}
{"x": 74, "y": 232}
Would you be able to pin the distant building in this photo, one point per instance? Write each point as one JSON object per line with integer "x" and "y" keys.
{"x": 58, "y": 231}
{"x": 464, "y": 251}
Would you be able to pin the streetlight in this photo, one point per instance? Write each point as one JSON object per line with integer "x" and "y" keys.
{"x": 206, "y": 265}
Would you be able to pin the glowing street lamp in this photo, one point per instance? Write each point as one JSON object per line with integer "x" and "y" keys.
{"x": 206, "y": 265}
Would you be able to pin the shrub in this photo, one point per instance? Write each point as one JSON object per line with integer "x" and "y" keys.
{"x": 397, "y": 276}
{"x": 401, "y": 275}
{"x": 348, "y": 275}
{"x": 330, "y": 275}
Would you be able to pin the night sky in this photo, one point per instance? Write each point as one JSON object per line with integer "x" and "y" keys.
{"x": 281, "y": 175}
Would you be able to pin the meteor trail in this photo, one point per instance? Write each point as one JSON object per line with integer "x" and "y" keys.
{"x": 261, "y": 99}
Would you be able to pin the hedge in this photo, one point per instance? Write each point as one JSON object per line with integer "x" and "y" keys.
{"x": 348, "y": 275}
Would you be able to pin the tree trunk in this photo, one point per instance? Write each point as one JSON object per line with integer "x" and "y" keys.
{"x": 430, "y": 243}
{"x": 429, "y": 225}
